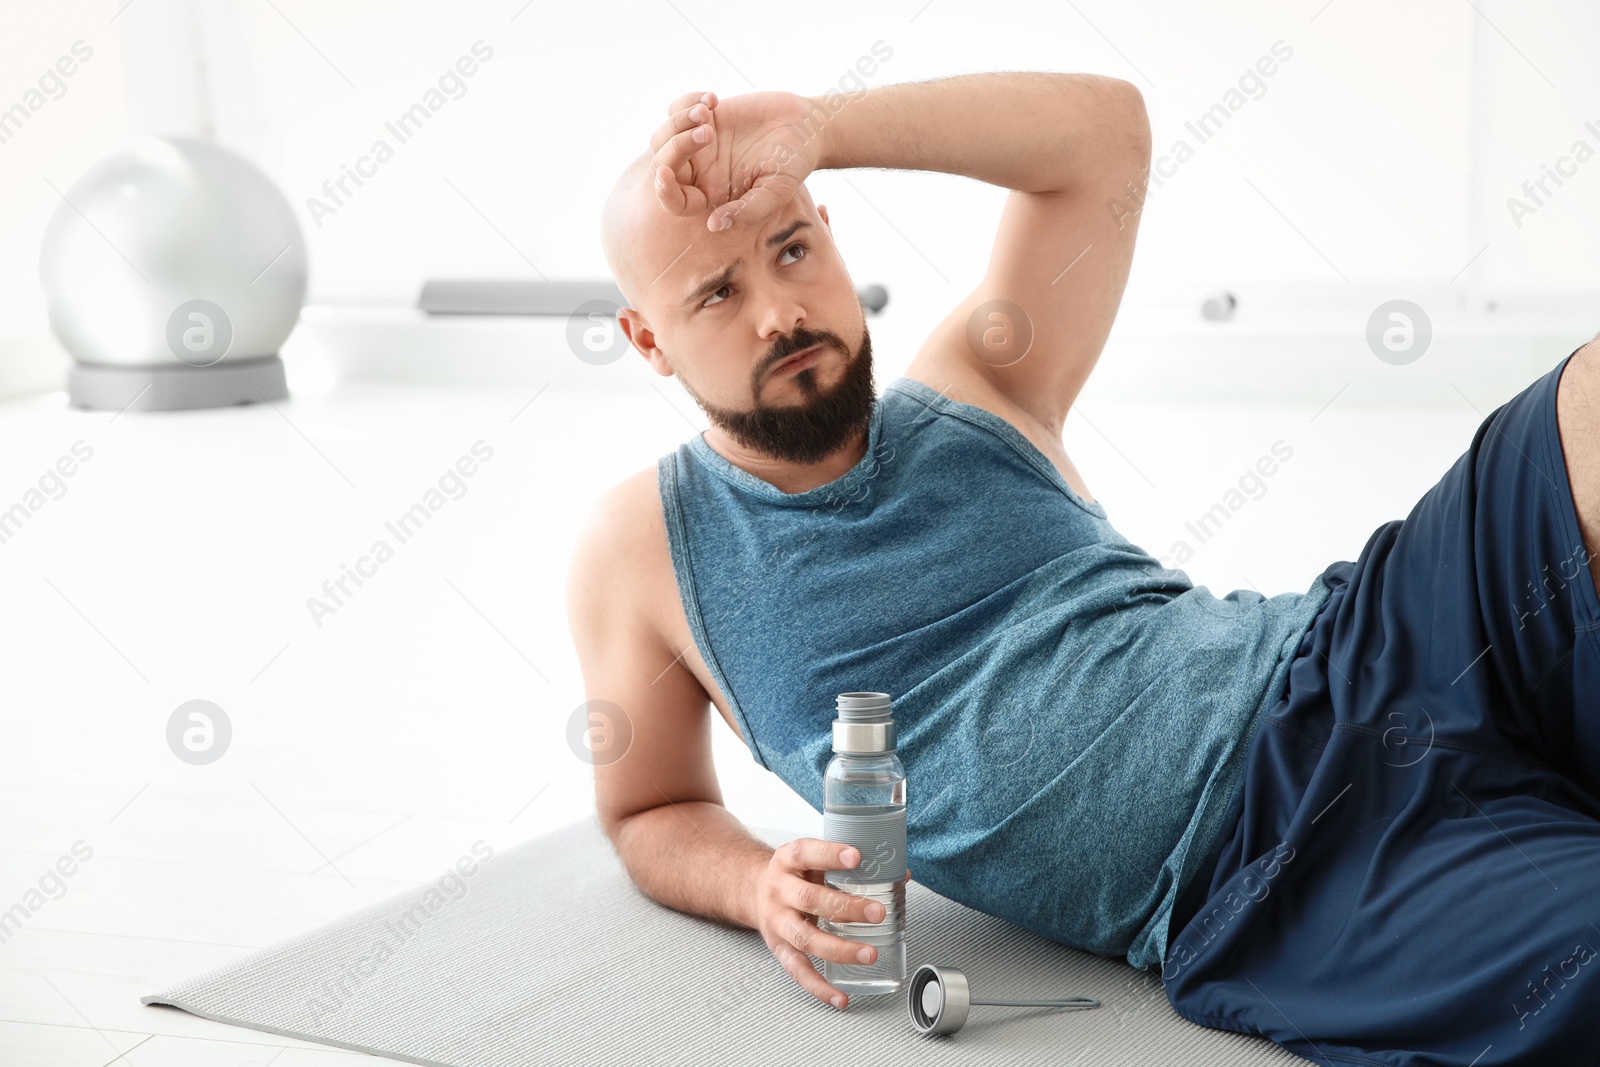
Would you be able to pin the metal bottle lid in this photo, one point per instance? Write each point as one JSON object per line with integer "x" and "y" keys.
{"x": 865, "y": 724}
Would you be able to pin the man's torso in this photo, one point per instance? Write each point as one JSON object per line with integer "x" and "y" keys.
{"x": 649, "y": 582}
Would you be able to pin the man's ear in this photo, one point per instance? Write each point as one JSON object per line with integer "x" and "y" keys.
{"x": 643, "y": 340}
{"x": 822, "y": 209}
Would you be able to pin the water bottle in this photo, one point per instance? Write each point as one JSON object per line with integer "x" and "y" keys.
{"x": 864, "y": 805}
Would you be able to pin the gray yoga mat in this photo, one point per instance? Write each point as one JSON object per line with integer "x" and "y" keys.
{"x": 549, "y": 954}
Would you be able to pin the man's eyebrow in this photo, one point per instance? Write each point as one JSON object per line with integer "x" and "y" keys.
{"x": 711, "y": 285}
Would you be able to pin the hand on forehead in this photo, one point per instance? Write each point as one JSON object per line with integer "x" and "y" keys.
{"x": 651, "y": 229}
{"x": 733, "y": 162}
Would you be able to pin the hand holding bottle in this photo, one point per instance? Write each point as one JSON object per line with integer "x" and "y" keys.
{"x": 791, "y": 896}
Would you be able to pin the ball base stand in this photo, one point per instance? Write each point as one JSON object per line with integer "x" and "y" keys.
{"x": 175, "y": 387}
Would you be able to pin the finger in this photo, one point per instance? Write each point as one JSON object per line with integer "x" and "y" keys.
{"x": 676, "y": 150}
{"x": 671, "y": 193}
{"x": 687, "y": 100}
{"x": 799, "y": 931}
{"x": 803, "y": 972}
{"x": 687, "y": 118}
{"x": 815, "y": 854}
{"x": 826, "y": 902}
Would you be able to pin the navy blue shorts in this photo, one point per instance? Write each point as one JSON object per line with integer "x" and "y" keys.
{"x": 1414, "y": 876}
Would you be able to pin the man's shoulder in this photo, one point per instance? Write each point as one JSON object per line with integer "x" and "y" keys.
{"x": 960, "y": 381}
{"x": 623, "y": 540}
{"x": 638, "y": 494}
{"x": 633, "y": 512}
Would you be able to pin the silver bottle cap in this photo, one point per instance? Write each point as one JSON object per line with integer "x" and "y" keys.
{"x": 864, "y": 725}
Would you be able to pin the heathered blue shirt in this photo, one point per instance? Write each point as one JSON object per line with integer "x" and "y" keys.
{"x": 1072, "y": 716}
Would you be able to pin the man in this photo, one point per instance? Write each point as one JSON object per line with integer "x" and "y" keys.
{"x": 1280, "y": 802}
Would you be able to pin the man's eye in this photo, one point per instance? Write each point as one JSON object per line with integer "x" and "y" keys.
{"x": 797, "y": 244}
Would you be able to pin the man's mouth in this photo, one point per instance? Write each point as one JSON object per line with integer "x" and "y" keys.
{"x": 803, "y": 358}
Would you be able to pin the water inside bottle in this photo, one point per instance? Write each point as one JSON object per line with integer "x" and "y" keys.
{"x": 886, "y": 974}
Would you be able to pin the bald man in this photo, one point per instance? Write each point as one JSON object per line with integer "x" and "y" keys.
{"x": 1284, "y": 804}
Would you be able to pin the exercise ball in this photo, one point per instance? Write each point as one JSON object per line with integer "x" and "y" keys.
{"x": 172, "y": 272}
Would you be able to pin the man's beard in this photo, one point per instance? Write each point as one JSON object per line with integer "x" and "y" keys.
{"x": 822, "y": 423}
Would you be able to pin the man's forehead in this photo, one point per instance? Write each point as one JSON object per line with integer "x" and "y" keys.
{"x": 705, "y": 265}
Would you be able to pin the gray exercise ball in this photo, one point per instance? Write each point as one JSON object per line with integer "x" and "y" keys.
{"x": 172, "y": 271}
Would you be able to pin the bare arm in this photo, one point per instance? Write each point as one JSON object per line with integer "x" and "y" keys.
{"x": 1074, "y": 149}
{"x": 1035, "y": 132}
{"x": 696, "y": 857}
{"x": 658, "y": 799}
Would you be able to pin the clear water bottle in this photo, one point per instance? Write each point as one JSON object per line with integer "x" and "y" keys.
{"x": 864, "y": 805}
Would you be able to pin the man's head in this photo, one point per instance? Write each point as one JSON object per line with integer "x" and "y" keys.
{"x": 722, "y": 334}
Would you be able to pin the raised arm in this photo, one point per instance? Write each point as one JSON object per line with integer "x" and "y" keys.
{"x": 1073, "y": 148}
{"x": 1035, "y": 132}
{"x": 1075, "y": 151}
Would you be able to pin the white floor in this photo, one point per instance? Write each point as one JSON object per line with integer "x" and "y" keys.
{"x": 430, "y": 710}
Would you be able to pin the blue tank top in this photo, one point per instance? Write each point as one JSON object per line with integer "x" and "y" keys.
{"x": 1072, "y": 716}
